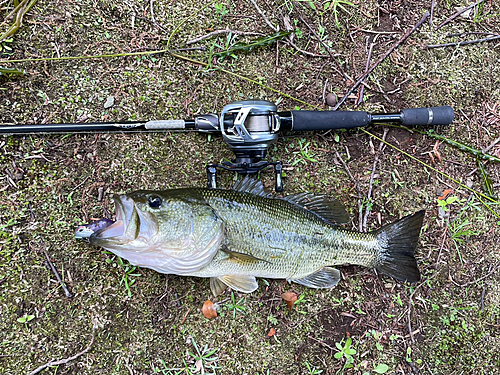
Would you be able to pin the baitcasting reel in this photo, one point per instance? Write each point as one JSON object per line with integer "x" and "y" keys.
{"x": 249, "y": 128}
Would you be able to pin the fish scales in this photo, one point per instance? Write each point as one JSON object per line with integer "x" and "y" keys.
{"x": 233, "y": 236}
{"x": 293, "y": 242}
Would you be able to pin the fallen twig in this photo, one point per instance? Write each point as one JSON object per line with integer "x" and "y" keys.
{"x": 433, "y": 4}
{"x": 451, "y": 18}
{"x": 471, "y": 33}
{"x": 51, "y": 266}
{"x": 317, "y": 37}
{"x": 64, "y": 361}
{"x": 18, "y": 13}
{"x": 492, "y": 144}
{"x": 360, "y": 204}
{"x": 495, "y": 268}
{"x": 367, "y": 73}
{"x": 185, "y": 316}
{"x": 368, "y": 59}
{"x": 264, "y": 16}
{"x": 218, "y": 32}
{"x": 370, "y": 187}
{"x": 463, "y": 43}
{"x": 153, "y": 20}
{"x": 410, "y": 304}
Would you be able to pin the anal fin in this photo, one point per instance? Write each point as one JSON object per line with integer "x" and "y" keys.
{"x": 325, "y": 277}
{"x": 241, "y": 283}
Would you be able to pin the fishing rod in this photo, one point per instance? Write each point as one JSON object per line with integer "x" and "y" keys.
{"x": 250, "y": 127}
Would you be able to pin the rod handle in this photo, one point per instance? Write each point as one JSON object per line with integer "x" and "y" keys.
{"x": 427, "y": 116}
{"x": 325, "y": 120}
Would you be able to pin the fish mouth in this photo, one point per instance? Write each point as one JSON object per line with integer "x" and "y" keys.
{"x": 131, "y": 223}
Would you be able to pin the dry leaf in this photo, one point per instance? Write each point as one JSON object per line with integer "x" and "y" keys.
{"x": 445, "y": 194}
{"x": 289, "y": 298}
{"x": 209, "y": 310}
{"x": 271, "y": 333}
{"x": 198, "y": 366}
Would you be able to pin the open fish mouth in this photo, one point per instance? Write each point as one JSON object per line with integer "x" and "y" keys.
{"x": 131, "y": 223}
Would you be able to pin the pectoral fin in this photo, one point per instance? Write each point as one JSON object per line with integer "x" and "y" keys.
{"x": 325, "y": 277}
{"x": 245, "y": 284}
{"x": 242, "y": 256}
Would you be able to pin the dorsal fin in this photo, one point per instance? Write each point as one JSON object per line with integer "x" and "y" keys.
{"x": 328, "y": 209}
{"x": 252, "y": 186}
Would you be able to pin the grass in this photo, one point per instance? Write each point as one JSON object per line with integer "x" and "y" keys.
{"x": 235, "y": 306}
{"x": 128, "y": 272}
{"x": 201, "y": 361}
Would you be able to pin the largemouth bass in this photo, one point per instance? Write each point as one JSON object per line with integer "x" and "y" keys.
{"x": 234, "y": 236}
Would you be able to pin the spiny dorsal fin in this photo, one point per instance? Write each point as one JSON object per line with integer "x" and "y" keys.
{"x": 328, "y": 209}
{"x": 325, "y": 277}
{"x": 242, "y": 256}
{"x": 252, "y": 186}
{"x": 241, "y": 283}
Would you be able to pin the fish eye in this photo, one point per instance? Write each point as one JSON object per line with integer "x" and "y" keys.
{"x": 154, "y": 201}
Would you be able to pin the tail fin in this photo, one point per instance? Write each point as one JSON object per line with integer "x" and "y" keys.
{"x": 399, "y": 241}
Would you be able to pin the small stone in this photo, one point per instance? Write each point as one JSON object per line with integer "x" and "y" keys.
{"x": 110, "y": 101}
{"x": 442, "y": 214}
{"x": 465, "y": 14}
{"x": 331, "y": 99}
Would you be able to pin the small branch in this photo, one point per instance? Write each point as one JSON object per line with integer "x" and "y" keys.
{"x": 396, "y": 45}
{"x": 317, "y": 36}
{"x": 51, "y": 266}
{"x": 376, "y": 31}
{"x": 433, "y": 4}
{"x": 307, "y": 53}
{"x": 185, "y": 316}
{"x": 410, "y": 303}
{"x": 264, "y": 16}
{"x": 360, "y": 204}
{"x": 360, "y": 98}
{"x": 370, "y": 187}
{"x": 64, "y": 361}
{"x": 471, "y": 33}
{"x": 465, "y": 42}
{"x": 492, "y": 144}
{"x": 218, "y": 32}
{"x": 495, "y": 268}
{"x": 321, "y": 342}
{"x": 457, "y": 14}
{"x": 153, "y": 20}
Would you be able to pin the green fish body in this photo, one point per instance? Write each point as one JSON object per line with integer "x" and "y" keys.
{"x": 234, "y": 236}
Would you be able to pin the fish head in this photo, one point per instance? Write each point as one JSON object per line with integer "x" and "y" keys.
{"x": 136, "y": 221}
{"x": 162, "y": 230}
